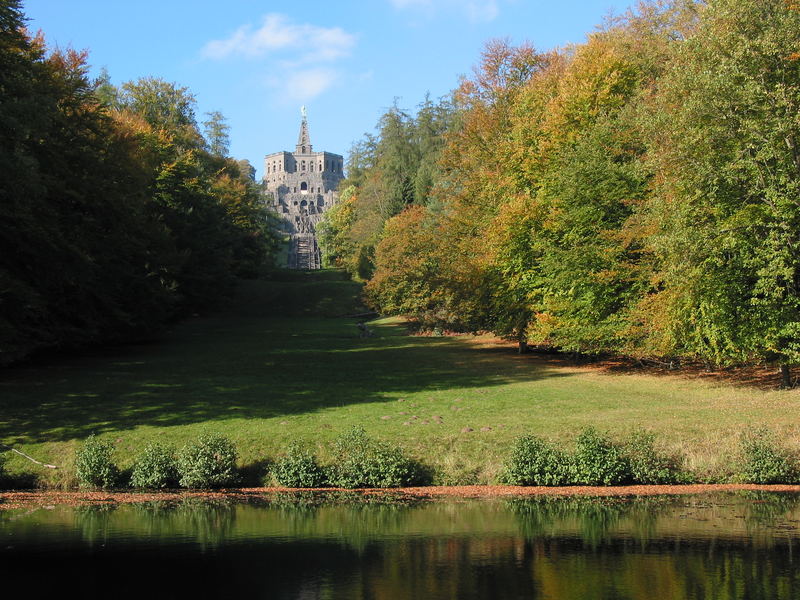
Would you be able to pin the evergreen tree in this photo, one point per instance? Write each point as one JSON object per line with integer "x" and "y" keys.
{"x": 217, "y": 133}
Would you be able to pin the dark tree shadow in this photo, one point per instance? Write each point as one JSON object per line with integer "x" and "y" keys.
{"x": 244, "y": 365}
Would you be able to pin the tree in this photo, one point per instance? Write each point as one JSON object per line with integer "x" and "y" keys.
{"x": 725, "y": 142}
{"x": 164, "y": 106}
{"x": 79, "y": 253}
{"x": 338, "y": 249}
{"x": 105, "y": 91}
{"x": 216, "y": 133}
{"x": 430, "y": 128}
{"x": 388, "y": 172}
{"x": 247, "y": 172}
{"x": 111, "y": 220}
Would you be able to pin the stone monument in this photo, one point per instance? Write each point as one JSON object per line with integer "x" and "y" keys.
{"x": 300, "y": 186}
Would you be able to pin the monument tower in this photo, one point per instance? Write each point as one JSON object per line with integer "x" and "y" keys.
{"x": 300, "y": 186}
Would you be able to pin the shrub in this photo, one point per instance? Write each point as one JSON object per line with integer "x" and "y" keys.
{"x": 763, "y": 460}
{"x": 298, "y": 469}
{"x": 94, "y": 466}
{"x": 598, "y": 461}
{"x": 647, "y": 465}
{"x": 535, "y": 462}
{"x": 3, "y": 459}
{"x": 209, "y": 462}
{"x": 364, "y": 462}
{"x": 156, "y": 467}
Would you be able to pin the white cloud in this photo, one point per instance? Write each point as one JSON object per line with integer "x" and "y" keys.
{"x": 300, "y": 55}
{"x": 307, "y": 84}
{"x": 476, "y": 11}
{"x": 277, "y": 34}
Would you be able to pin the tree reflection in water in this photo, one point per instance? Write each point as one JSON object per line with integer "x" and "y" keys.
{"x": 391, "y": 547}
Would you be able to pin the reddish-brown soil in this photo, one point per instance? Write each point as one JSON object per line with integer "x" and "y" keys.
{"x": 23, "y": 499}
{"x": 757, "y": 376}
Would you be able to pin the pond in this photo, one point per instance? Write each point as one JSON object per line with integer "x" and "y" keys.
{"x": 320, "y": 546}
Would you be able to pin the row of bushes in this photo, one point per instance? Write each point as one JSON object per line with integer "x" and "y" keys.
{"x": 208, "y": 462}
{"x": 597, "y": 460}
{"x": 359, "y": 461}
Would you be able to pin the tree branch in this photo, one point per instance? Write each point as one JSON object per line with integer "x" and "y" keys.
{"x": 28, "y": 457}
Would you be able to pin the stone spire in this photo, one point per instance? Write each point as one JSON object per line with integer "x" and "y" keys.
{"x": 303, "y": 140}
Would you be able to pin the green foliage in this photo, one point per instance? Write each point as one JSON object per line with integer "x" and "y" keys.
{"x": 217, "y": 133}
{"x": 361, "y": 462}
{"x": 121, "y": 220}
{"x": 209, "y": 462}
{"x": 648, "y": 466}
{"x": 298, "y": 468}
{"x": 338, "y": 249}
{"x": 3, "y": 460}
{"x": 535, "y": 462}
{"x": 598, "y": 460}
{"x": 635, "y": 194}
{"x": 163, "y": 105}
{"x": 723, "y": 142}
{"x": 763, "y": 460}
{"x": 94, "y": 465}
{"x": 79, "y": 254}
{"x": 155, "y": 468}
{"x": 387, "y": 172}
{"x": 405, "y": 281}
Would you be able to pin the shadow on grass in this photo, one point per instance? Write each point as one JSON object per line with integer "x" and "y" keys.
{"x": 243, "y": 367}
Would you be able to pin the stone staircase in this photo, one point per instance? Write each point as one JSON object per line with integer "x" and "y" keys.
{"x": 304, "y": 252}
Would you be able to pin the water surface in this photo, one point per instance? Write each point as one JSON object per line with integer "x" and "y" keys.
{"x": 722, "y": 546}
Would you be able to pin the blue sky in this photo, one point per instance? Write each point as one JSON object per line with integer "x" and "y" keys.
{"x": 258, "y": 61}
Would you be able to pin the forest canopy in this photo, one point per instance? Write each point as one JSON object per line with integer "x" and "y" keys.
{"x": 636, "y": 194}
{"x": 116, "y": 213}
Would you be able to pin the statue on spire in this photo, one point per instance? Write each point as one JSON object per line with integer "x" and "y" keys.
{"x": 303, "y": 139}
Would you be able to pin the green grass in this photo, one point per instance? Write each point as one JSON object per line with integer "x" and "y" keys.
{"x": 283, "y": 363}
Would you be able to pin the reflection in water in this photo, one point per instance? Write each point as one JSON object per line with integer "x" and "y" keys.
{"x": 320, "y": 546}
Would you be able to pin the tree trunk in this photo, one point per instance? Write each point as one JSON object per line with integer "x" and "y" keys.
{"x": 522, "y": 347}
{"x": 786, "y": 376}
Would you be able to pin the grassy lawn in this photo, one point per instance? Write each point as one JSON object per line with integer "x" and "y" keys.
{"x": 282, "y": 363}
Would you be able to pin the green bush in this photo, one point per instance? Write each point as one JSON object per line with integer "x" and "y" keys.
{"x": 298, "y": 469}
{"x": 535, "y": 462}
{"x": 94, "y": 466}
{"x": 3, "y": 459}
{"x": 155, "y": 468}
{"x": 598, "y": 461}
{"x": 209, "y": 462}
{"x": 763, "y": 460}
{"x": 363, "y": 462}
{"x": 648, "y": 466}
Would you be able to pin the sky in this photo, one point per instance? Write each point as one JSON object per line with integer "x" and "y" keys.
{"x": 259, "y": 61}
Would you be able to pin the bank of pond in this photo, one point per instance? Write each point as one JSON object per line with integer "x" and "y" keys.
{"x": 356, "y": 460}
